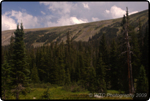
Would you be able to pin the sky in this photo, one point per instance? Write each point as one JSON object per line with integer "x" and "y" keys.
{"x": 49, "y": 14}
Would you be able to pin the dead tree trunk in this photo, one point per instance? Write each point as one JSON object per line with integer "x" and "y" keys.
{"x": 130, "y": 78}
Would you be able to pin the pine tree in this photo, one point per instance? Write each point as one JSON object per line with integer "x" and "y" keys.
{"x": 91, "y": 79}
{"x": 5, "y": 78}
{"x": 100, "y": 75}
{"x": 145, "y": 51}
{"x": 142, "y": 85}
{"x": 114, "y": 65}
{"x": 67, "y": 79}
{"x": 19, "y": 68}
{"x": 61, "y": 64}
{"x": 140, "y": 35}
{"x": 136, "y": 62}
{"x": 142, "y": 82}
{"x": 34, "y": 75}
{"x": 103, "y": 49}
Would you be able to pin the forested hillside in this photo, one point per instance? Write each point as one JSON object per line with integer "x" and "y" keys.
{"x": 97, "y": 64}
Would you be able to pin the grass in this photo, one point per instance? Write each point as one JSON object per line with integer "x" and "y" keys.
{"x": 114, "y": 91}
{"x": 57, "y": 92}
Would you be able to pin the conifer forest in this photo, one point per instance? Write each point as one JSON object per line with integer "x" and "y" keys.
{"x": 99, "y": 66}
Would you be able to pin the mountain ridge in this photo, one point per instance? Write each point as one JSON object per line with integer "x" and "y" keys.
{"x": 78, "y": 32}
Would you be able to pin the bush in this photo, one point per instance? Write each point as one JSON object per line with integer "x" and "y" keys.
{"x": 74, "y": 87}
{"x": 38, "y": 85}
{"x": 46, "y": 94}
{"x": 26, "y": 90}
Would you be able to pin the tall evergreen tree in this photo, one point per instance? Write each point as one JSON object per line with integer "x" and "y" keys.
{"x": 142, "y": 85}
{"x": 103, "y": 49}
{"x": 19, "y": 68}
{"x": 100, "y": 75}
{"x": 91, "y": 79}
{"x": 67, "y": 79}
{"x": 114, "y": 65}
{"x": 142, "y": 82}
{"x": 34, "y": 75}
{"x": 122, "y": 61}
{"x": 136, "y": 62}
{"x": 145, "y": 51}
{"x": 140, "y": 35}
{"x": 5, "y": 78}
{"x": 61, "y": 65}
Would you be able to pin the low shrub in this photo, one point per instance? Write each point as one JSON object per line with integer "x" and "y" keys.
{"x": 73, "y": 87}
{"x": 46, "y": 94}
{"x": 40, "y": 85}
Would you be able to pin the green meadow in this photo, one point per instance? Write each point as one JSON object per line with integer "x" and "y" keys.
{"x": 58, "y": 92}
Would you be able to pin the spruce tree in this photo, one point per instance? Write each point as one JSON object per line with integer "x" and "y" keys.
{"x": 61, "y": 64}
{"x": 34, "y": 75}
{"x": 136, "y": 61}
{"x": 91, "y": 79}
{"x": 67, "y": 79}
{"x": 142, "y": 81}
{"x": 142, "y": 87}
{"x": 5, "y": 78}
{"x": 114, "y": 65}
{"x": 100, "y": 75}
{"x": 140, "y": 35}
{"x": 145, "y": 51}
{"x": 103, "y": 49}
{"x": 122, "y": 61}
{"x": 19, "y": 68}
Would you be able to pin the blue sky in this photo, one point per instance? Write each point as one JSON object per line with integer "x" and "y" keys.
{"x": 48, "y": 14}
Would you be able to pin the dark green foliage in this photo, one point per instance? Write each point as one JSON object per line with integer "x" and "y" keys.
{"x": 91, "y": 79}
{"x": 103, "y": 50}
{"x": 136, "y": 61}
{"x": 67, "y": 79}
{"x": 61, "y": 63}
{"x": 122, "y": 59}
{"x": 145, "y": 51}
{"x": 5, "y": 78}
{"x": 114, "y": 65}
{"x": 46, "y": 94}
{"x": 142, "y": 81}
{"x": 20, "y": 72}
{"x": 142, "y": 85}
{"x": 34, "y": 75}
{"x": 73, "y": 87}
{"x": 111, "y": 32}
{"x": 140, "y": 36}
{"x": 100, "y": 75}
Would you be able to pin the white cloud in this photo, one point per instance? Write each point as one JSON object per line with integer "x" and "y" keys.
{"x": 107, "y": 11}
{"x": 10, "y": 19}
{"x": 117, "y": 12}
{"x": 78, "y": 21}
{"x": 8, "y": 23}
{"x": 43, "y": 12}
{"x": 66, "y": 20}
{"x": 95, "y": 19}
{"x": 85, "y": 5}
{"x": 133, "y": 12}
{"x": 59, "y": 7}
{"x": 28, "y": 20}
